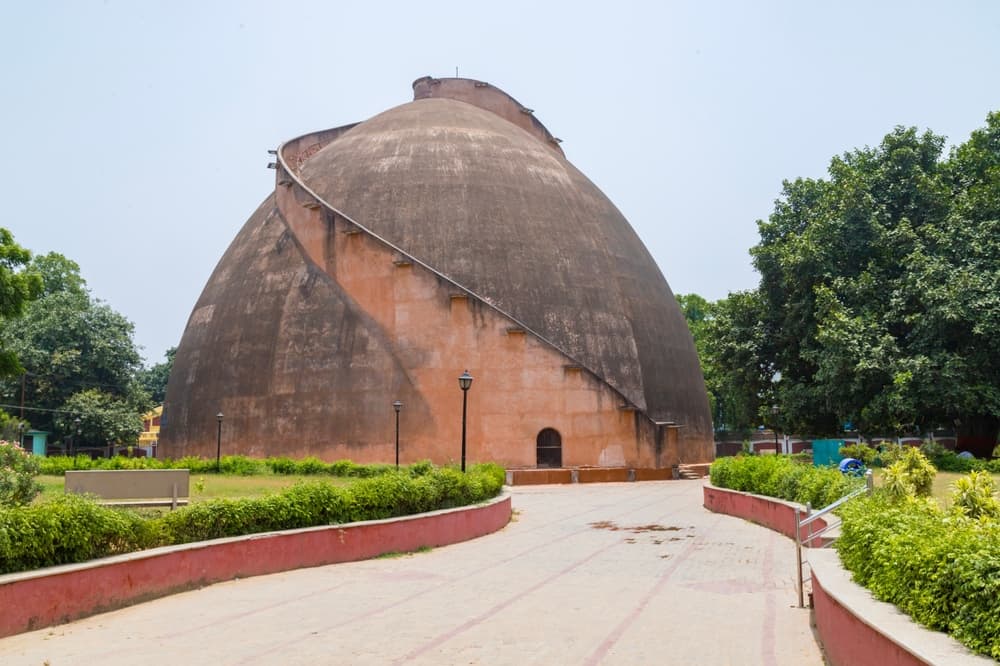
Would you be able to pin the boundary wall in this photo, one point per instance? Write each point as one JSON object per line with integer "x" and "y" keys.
{"x": 45, "y": 597}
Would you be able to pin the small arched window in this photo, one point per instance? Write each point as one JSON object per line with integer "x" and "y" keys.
{"x": 549, "y": 448}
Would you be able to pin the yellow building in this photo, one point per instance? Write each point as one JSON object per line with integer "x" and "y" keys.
{"x": 150, "y": 434}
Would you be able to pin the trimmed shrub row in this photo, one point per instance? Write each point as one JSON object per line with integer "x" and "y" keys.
{"x": 780, "y": 476}
{"x": 943, "y": 459}
{"x": 940, "y": 567}
{"x": 17, "y": 475}
{"x": 943, "y": 569}
{"x": 233, "y": 465}
{"x": 75, "y": 529}
{"x": 949, "y": 461}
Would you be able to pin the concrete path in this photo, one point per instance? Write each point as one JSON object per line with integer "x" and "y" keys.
{"x": 635, "y": 573}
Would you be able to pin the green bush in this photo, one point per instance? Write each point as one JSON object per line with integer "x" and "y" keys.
{"x": 946, "y": 460}
{"x": 803, "y": 457}
{"x": 973, "y": 496}
{"x": 941, "y": 569}
{"x": 122, "y": 462}
{"x": 911, "y": 475}
{"x": 71, "y": 528}
{"x": 781, "y": 477}
{"x": 308, "y": 466}
{"x": 890, "y": 452}
{"x": 17, "y": 475}
{"x": 241, "y": 466}
{"x": 343, "y": 468}
{"x": 234, "y": 465}
{"x": 193, "y": 463}
{"x": 420, "y": 468}
{"x": 949, "y": 461}
{"x": 284, "y": 466}
{"x": 862, "y": 452}
{"x": 317, "y": 503}
{"x": 58, "y": 465}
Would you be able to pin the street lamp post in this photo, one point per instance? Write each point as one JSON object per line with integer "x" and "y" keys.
{"x": 397, "y": 405}
{"x": 774, "y": 412}
{"x": 218, "y": 444}
{"x": 464, "y": 382}
{"x": 73, "y": 444}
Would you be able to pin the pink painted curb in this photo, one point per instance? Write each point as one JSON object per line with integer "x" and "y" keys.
{"x": 45, "y": 597}
{"x": 853, "y": 628}
{"x": 770, "y": 512}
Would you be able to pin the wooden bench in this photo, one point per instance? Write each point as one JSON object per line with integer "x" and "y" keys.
{"x": 132, "y": 487}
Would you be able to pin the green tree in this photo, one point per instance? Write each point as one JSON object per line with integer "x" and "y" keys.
{"x": 154, "y": 379}
{"x": 879, "y": 298}
{"x": 697, "y": 311}
{"x": 714, "y": 325}
{"x": 103, "y": 417}
{"x": 70, "y": 343}
{"x": 58, "y": 274}
{"x": 17, "y": 288}
{"x": 736, "y": 349}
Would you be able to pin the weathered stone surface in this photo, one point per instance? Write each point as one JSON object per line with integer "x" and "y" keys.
{"x": 480, "y": 247}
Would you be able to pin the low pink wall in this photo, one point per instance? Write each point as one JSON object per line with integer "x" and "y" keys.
{"x": 767, "y": 511}
{"x": 847, "y": 641}
{"x": 36, "y": 599}
{"x": 847, "y": 637}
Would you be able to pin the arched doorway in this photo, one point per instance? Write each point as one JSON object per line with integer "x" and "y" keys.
{"x": 549, "y": 448}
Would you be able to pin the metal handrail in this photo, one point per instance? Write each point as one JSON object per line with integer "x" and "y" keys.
{"x": 811, "y": 517}
{"x": 843, "y": 500}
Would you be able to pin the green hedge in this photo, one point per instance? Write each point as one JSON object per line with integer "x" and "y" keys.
{"x": 75, "y": 529}
{"x": 233, "y": 465}
{"x": 940, "y": 568}
{"x": 949, "y": 461}
{"x": 68, "y": 529}
{"x": 782, "y": 477}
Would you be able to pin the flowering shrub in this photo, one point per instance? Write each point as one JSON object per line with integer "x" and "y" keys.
{"x": 17, "y": 475}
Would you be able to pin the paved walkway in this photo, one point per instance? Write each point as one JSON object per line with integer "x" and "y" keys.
{"x": 635, "y": 573}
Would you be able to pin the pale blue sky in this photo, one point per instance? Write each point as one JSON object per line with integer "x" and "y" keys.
{"x": 136, "y": 133}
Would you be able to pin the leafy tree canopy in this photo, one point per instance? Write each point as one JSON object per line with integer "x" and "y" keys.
{"x": 103, "y": 417}
{"x": 58, "y": 274}
{"x": 711, "y": 324}
{"x": 17, "y": 288}
{"x": 879, "y": 298}
{"x": 154, "y": 379}
{"x": 71, "y": 344}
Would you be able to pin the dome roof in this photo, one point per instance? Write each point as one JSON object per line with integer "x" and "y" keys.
{"x": 494, "y": 205}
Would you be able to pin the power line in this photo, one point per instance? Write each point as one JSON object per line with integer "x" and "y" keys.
{"x": 40, "y": 409}
{"x": 78, "y": 382}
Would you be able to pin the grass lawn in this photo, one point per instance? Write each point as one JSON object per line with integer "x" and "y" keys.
{"x": 213, "y": 486}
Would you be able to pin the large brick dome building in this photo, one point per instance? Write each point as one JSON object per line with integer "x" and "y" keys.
{"x": 446, "y": 234}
